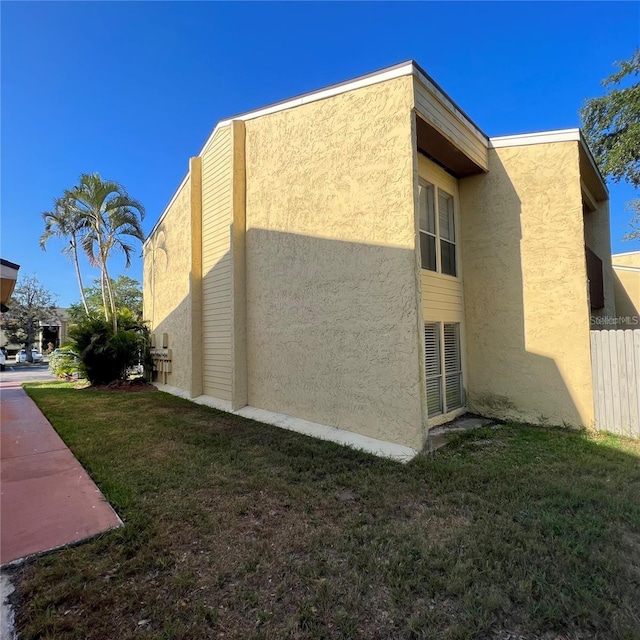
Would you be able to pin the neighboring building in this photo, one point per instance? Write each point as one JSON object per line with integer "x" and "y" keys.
{"x": 365, "y": 257}
{"x": 626, "y": 286}
{"x": 52, "y": 332}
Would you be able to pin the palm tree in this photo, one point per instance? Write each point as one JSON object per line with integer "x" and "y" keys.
{"x": 108, "y": 217}
{"x": 63, "y": 223}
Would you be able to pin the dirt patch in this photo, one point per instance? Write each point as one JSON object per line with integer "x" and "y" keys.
{"x": 137, "y": 384}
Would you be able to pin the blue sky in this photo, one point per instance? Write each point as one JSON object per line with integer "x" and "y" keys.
{"x": 132, "y": 90}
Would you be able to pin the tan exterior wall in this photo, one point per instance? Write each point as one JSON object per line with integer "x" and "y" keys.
{"x": 525, "y": 286}
{"x": 167, "y": 286}
{"x": 629, "y": 259}
{"x": 597, "y": 236}
{"x": 332, "y": 322}
{"x": 434, "y": 112}
{"x": 217, "y": 299}
{"x": 626, "y": 285}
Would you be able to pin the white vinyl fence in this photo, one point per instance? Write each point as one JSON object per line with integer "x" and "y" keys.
{"x": 615, "y": 366}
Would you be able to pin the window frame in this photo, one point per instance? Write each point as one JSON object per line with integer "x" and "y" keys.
{"x": 452, "y": 373}
{"x": 442, "y": 373}
{"x": 424, "y": 183}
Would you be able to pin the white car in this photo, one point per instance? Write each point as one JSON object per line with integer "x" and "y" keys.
{"x": 21, "y": 356}
{"x": 3, "y": 360}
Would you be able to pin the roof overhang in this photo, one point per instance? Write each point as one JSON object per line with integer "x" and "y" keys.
{"x": 437, "y": 147}
{"x": 8, "y": 277}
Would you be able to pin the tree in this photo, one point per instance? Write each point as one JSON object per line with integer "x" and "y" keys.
{"x": 64, "y": 223}
{"x": 126, "y": 291}
{"x": 30, "y": 305}
{"x": 634, "y": 223}
{"x": 109, "y": 217}
{"x": 612, "y": 128}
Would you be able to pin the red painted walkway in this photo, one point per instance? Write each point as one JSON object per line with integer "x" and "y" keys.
{"x": 47, "y": 500}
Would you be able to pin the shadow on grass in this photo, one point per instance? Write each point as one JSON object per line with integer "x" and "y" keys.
{"x": 242, "y": 530}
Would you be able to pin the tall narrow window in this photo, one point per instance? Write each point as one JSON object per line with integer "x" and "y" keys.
{"x": 433, "y": 369}
{"x": 443, "y": 367}
{"x": 447, "y": 233}
{"x": 427, "y": 226}
{"x": 437, "y": 229}
{"x": 452, "y": 367}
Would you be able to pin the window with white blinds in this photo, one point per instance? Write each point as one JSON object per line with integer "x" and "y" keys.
{"x": 443, "y": 367}
{"x": 452, "y": 366}
{"x": 433, "y": 368}
{"x": 437, "y": 229}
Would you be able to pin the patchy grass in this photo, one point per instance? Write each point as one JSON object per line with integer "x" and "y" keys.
{"x": 235, "y": 529}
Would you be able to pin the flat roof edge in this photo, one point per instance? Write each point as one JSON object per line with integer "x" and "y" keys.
{"x": 11, "y": 265}
{"x": 444, "y": 97}
{"x": 592, "y": 161}
{"x": 538, "y": 137}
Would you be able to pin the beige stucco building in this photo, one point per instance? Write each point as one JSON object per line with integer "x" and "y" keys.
{"x": 626, "y": 287}
{"x": 363, "y": 263}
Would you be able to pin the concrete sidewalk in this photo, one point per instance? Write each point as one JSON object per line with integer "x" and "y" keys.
{"x": 47, "y": 500}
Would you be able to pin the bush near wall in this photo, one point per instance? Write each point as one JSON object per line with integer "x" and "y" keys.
{"x": 64, "y": 363}
{"x": 105, "y": 354}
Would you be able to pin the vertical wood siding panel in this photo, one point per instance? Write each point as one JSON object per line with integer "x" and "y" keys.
{"x": 216, "y": 283}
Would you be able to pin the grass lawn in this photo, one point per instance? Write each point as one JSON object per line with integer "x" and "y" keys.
{"x": 235, "y": 529}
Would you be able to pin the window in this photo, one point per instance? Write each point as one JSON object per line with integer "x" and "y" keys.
{"x": 452, "y": 367}
{"x": 437, "y": 229}
{"x": 443, "y": 367}
{"x": 433, "y": 369}
{"x": 428, "y": 226}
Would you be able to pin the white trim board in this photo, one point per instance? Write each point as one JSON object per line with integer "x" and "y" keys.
{"x": 540, "y": 137}
{"x": 624, "y": 267}
{"x": 626, "y": 253}
{"x": 376, "y": 447}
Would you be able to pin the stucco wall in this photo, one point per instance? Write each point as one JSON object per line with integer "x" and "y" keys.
{"x": 626, "y": 284}
{"x": 167, "y": 282}
{"x": 332, "y": 325}
{"x": 628, "y": 259}
{"x": 525, "y": 285}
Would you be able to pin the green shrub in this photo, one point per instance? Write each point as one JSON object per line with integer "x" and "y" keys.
{"x": 64, "y": 363}
{"x": 106, "y": 355}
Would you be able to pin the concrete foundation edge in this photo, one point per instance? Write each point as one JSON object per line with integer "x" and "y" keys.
{"x": 376, "y": 447}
